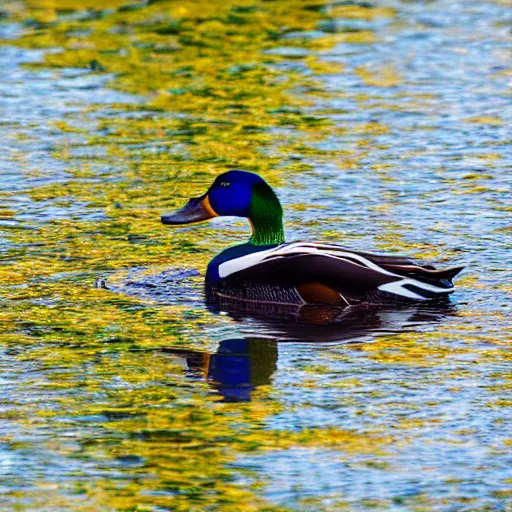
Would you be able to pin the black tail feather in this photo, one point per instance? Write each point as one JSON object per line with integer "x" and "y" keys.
{"x": 448, "y": 273}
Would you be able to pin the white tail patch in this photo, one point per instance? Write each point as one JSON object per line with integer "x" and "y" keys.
{"x": 397, "y": 288}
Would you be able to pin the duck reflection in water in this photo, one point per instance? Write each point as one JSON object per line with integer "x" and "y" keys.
{"x": 242, "y": 364}
{"x": 237, "y": 367}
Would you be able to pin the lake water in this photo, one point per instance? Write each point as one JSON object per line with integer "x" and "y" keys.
{"x": 382, "y": 126}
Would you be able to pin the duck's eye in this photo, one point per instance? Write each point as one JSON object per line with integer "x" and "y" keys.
{"x": 225, "y": 184}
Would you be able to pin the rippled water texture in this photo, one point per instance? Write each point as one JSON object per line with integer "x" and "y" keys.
{"x": 383, "y": 126}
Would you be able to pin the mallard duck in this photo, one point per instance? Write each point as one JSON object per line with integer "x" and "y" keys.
{"x": 268, "y": 270}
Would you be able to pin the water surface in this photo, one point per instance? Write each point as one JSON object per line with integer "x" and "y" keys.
{"x": 382, "y": 126}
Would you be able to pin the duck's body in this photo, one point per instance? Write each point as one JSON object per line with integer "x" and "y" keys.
{"x": 267, "y": 270}
{"x": 316, "y": 273}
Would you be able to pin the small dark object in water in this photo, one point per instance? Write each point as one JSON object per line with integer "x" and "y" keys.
{"x": 95, "y": 65}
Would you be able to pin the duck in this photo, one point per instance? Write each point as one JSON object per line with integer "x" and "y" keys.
{"x": 268, "y": 270}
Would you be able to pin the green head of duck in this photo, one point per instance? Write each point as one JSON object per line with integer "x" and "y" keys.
{"x": 240, "y": 194}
